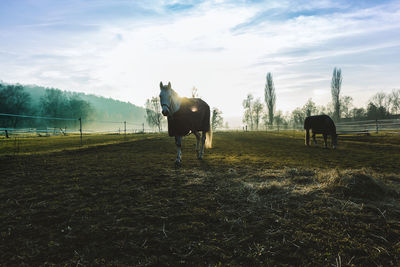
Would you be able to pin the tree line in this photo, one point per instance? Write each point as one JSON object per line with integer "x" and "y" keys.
{"x": 264, "y": 115}
{"x": 14, "y": 99}
{"x": 54, "y": 103}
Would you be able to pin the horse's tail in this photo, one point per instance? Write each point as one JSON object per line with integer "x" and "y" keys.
{"x": 209, "y": 138}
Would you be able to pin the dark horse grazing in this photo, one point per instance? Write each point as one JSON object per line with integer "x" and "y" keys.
{"x": 185, "y": 116}
{"x": 321, "y": 124}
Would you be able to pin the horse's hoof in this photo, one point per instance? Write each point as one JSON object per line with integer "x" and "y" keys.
{"x": 200, "y": 158}
{"x": 178, "y": 164}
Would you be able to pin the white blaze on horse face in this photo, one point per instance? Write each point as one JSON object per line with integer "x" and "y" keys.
{"x": 169, "y": 100}
{"x": 164, "y": 97}
{"x": 165, "y": 100}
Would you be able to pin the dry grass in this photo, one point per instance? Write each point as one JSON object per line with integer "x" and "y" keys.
{"x": 256, "y": 199}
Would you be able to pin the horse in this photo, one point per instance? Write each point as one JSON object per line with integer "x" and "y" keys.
{"x": 320, "y": 124}
{"x": 185, "y": 116}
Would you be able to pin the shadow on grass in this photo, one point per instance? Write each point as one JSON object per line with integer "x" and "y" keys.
{"x": 125, "y": 204}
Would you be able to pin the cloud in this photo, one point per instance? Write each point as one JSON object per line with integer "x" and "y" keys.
{"x": 123, "y": 49}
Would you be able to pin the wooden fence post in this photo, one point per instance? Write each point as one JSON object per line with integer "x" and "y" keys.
{"x": 125, "y": 129}
{"x": 80, "y": 128}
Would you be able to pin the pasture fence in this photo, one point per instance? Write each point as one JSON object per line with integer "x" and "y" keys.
{"x": 92, "y": 127}
{"x": 83, "y": 127}
{"x": 390, "y": 126}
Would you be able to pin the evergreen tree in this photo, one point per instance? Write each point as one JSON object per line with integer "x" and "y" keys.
{"x": 336, "y": 85}
{"x": 270, "y": 97}
{"x": 13, "y": 100}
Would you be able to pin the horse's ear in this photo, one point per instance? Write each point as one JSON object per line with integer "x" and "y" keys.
{"x": 169, "y": 85}
{"x": 161, "y": 85}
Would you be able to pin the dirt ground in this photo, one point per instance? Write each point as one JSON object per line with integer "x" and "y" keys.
{"x": 257, "y": 199}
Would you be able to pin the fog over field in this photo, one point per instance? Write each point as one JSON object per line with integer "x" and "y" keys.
{"x": 123, "y": 49}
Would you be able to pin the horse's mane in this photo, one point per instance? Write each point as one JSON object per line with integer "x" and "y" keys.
{"x": 176, "y": 100}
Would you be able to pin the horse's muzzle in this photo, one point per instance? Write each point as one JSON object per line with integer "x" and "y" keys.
{"x": 165, "y": 111}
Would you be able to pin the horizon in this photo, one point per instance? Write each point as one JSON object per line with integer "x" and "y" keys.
{"x": 123, "y": 50}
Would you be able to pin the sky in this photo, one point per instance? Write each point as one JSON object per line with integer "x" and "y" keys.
{"x": 123, "y": 49}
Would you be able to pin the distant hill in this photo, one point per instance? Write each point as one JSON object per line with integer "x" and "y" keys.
{"x": 105, "y": 111}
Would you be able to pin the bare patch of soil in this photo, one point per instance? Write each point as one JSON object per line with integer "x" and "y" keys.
{"x": 126, "y": 205}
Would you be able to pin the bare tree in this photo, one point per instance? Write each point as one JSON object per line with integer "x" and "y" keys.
{"x": 216, "y": 119}
{"x": 153, "y": 113}
{"x": 330, "y": 110}
{"x": 346, "y": 104}
{"x": 257, "y": 112}
{"x": 394, "y": 99}
{"x": 265, "y": 120}
{"x": 298, "y": 117}
{"x": 248, "y": 110}
{"x": 376, "y": 112}
{"x": 378, "y": 106}
{"x": 358, "y": 113}
{"x": 321, "y": 110}
{"x": 336, "y": 85}
{"x": 270, "y": 97}
{"x": 309, "y": 108}
{"x": 381, "y": 100}
{"x": 195, "y": 93}
{"x": 279, "y": 119}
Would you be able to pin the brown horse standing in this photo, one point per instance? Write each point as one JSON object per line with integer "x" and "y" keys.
{"x": 321, "y": 124}
{"x": 185, "y": 116}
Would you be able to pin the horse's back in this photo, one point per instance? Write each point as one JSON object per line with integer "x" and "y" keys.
{"x": 193, "y": 115}
{"x": 320, "y": 124}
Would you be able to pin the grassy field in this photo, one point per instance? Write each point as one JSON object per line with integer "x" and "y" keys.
{"x": 26, "y": 145}
{"x": 257, "y": 199}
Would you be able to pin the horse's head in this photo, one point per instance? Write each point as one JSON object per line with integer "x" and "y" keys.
{"x": 169, "y": 100}
{"x": 166, "y": 98}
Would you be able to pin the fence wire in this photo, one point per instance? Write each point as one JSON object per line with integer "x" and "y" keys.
{"x": 84, "y": 128}
{"x": 126, "y": 126}
{"x": 36, "y": 117}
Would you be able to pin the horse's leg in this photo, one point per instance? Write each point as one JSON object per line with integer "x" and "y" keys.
{"x": 326, "y": 140}
{"x": 307, "y": 137}
{"x": 313, "y": 138}
{"x": 196, "y": 133}
{"x": 203, "y": 140}
{"x": 334, "y": 140}
{"x": 178, "y": 142}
